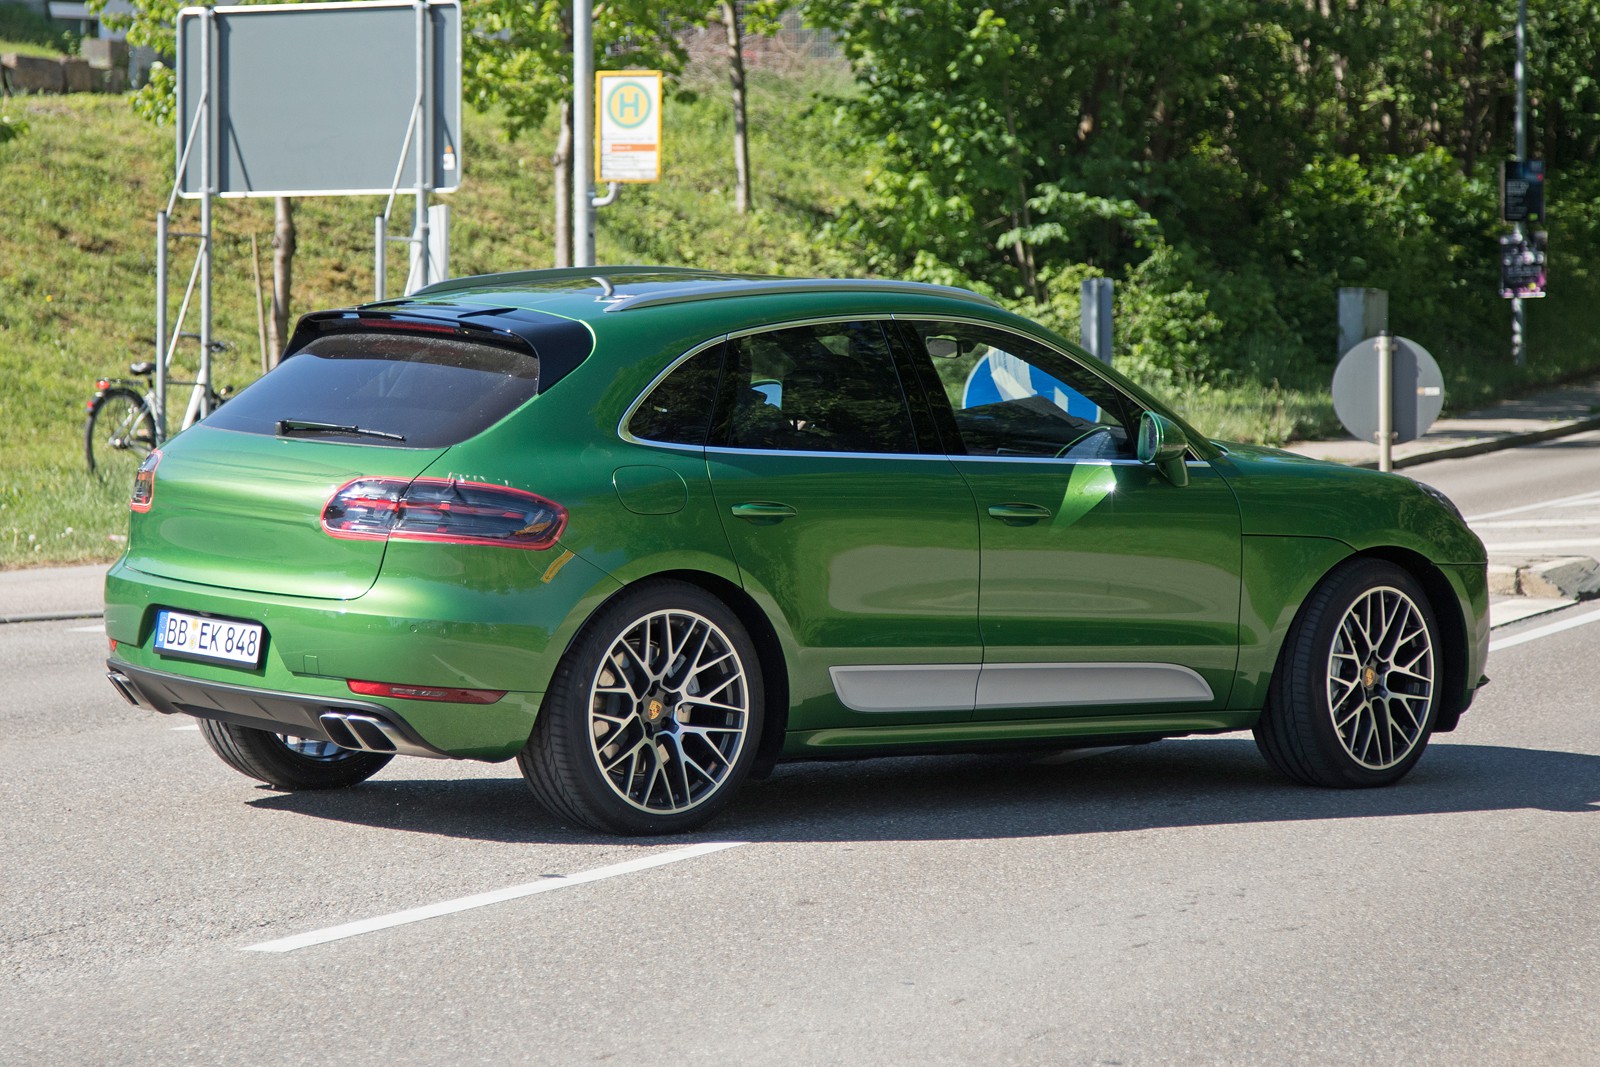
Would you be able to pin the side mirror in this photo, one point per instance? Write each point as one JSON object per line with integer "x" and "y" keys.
{"x": 1163, "y": 446}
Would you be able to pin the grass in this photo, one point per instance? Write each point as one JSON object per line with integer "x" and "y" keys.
{"x": 1251, "y": 411}
{"x": 29, "y": 48}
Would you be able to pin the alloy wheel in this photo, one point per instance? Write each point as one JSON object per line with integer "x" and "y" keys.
{"x": 1381, "y": 678}
{"x": 669, "y": 711}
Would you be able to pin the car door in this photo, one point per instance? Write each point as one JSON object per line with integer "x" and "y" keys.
{"x": 864, "y": 545}
{"x": 1106, "y": 589}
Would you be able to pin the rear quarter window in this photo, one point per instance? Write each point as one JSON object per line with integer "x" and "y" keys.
{"x": 432, "y": 390}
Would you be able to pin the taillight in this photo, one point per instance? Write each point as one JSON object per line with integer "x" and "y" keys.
{"x": 442, "y": 509}
{"x": 144, "y": 483}
{"x": 425, "y": 692}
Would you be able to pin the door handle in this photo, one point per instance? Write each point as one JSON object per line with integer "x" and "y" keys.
{"x": 1018, "y": 514}
{"x": 763, "y": 512}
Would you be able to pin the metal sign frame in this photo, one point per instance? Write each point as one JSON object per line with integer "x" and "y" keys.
{"x": 344, "y": 115}
{"x": 208, "y": 125}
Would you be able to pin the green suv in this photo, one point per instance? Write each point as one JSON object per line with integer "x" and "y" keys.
{"x": 650, "y": 531}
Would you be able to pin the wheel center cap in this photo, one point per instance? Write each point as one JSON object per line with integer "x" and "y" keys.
{"x": 1374, "y": 680}
{"x": 656, "y": 711}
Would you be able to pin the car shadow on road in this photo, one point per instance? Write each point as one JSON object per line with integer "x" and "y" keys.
{"x": 1195, "y": 782}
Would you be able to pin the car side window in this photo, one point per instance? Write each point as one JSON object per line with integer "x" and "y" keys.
{"x": 829, "y": 387}
{"x": 679, "y": 409}
{"x": 1013, "y": 396}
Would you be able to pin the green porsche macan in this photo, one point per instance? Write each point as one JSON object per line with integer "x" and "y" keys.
{"x": 650, "y": 531}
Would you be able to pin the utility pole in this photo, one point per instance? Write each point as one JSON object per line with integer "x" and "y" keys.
{"x": 1519, "y": 321}
{"x": 582, "y": 133}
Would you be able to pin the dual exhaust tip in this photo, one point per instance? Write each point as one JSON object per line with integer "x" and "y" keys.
{"x": 362, "y": 733}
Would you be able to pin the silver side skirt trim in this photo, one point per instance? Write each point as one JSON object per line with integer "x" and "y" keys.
{"x": 907, "y": 687}
{"x": 991, "y": 687}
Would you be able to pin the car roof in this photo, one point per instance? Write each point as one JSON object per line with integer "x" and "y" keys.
{"x": 591, "y": 292}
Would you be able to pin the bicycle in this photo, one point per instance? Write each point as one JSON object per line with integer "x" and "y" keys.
{"x": 122, "y": 417}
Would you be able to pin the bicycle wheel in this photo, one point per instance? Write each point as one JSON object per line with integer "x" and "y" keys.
{"x": 118, "y": 434}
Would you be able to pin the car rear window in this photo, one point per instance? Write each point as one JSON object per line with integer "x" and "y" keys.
{"x": 431, "y": 390}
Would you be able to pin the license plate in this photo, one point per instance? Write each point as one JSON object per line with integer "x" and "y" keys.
{"x": 208, "y": 639}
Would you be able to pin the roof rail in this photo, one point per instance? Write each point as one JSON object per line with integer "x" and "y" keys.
{"x": 511, "y": 279}
{"x": 716, "y": 290}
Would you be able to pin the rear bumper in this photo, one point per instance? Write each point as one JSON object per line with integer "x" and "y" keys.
{"x": 410, "y": 631}
{"x": 353, "y": 724}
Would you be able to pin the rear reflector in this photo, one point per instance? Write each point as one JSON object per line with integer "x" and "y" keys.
{"x": 425, "y": 692}
{"x": 442, "y": 509}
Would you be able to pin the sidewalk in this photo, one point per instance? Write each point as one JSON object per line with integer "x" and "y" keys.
{"x": 46, "y": 593}
{"x": 1557, "y": 412}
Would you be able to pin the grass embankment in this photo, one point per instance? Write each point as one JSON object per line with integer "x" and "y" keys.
{"x": 77, "y": 269}
{"x": 77, "y": 262}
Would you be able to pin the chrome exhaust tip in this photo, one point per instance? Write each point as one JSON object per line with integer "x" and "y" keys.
{"x": 368, "y": 733}
{"x": 124, "y": 685}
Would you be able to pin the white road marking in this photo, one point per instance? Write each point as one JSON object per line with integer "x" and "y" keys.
{"x": 1533, "y": 524}
{"x": 1496, "y": 644}
{"x": 177, "y": 729}
{"x": 1590, "y": 497}
{"x": 99, "y": 628}
{"x": 480, "y": 900}
{"x": 1540, "y": 546}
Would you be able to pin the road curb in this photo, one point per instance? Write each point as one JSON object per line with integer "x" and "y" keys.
{"x": 52, "y": 616}
{"x": 1565, "y": 578}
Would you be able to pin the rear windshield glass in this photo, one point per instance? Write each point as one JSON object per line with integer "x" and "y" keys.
{"x": 432, "y": 391}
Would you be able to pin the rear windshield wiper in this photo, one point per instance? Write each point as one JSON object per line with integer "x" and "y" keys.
{"x": 289, "y": 426}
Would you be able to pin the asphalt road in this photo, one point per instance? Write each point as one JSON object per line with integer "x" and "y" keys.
{"x": 1538, "y": 502}
{"x": 1174, "y": 903}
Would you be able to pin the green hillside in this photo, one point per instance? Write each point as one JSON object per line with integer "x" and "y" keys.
{"x": 77, "y": 261}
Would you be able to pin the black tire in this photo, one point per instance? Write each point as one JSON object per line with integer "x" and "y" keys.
{"x": 118, "y": 434}
{"x": 1356, "y": 691}
{"x": 289, "y": 763}
{"x": 661, "y": 680}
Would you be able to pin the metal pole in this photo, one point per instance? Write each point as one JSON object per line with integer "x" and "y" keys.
{"x": 582, "y": 133}
{"x": 1519, "y": 322}
{"x": 1386, "y": 401}
{"x": 424, "y": 142}
{"x": 380, "y": 265}
{"x": 161, "y": 326}
{"x": 208, "y": 178}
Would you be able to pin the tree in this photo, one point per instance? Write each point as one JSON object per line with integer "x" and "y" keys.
{"x": 731, "y": 24}
{"x": 738, "y": 20}
{"x": 1269, "y": 151}
{"x": 518, "y": 57}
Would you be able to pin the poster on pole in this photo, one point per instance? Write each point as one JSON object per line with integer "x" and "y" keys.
{"x": 628, "y": 142}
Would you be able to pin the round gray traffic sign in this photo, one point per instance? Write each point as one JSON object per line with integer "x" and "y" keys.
{"x": 1418, "y": 390}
